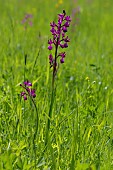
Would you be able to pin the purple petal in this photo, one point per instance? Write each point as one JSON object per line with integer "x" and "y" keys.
{"x": 50, "y": 41}
{"x": 60, "y": 21}
{"x": 50, "y": 56}
{"x": 62, "y": 54}
{"x": 65, "y": 45}
{"x": 27, "y": 83}
{"x": 23, "y": 21}
{"x": 30, "y": 23}
{"x": 22, "y": 93}
{"x": 50, "y": 47}
{"x": 52, "y": 24}
{"x": 25, "y": 97}
{"x": 64, "y": 29}
{"x": 61, "y": 45}
{"x": 53, "y": 30}
{"x": 67, "y": 18}
{"x": 32, "y": 91}
{"x": 67, "y": 39}
{"x": 61, "y": 16}
{"x": 33, "y": 95}
{"x": 67, "y": 24}
{"x": 62, "y": 60}
{"x": 28, "y": 89}
{"x": 50, "y": 59}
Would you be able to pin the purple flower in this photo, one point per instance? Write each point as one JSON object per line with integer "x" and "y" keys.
{"x": 28, "y": 16}
{"x": 61, "y": 16}
{"x": 59, "y": 40}
{"x": 50, "y": 47}
{"x": 27, "y": 90}
{"x": 66, "y": 39}
{"x": 67, "y": 24}
{"x": 33, "y": 93}
{"x": 62, "y": 54}
{"x": 27, "y": 83}
{"x": 27, "y": 20}
{"x": 62, "y": 60}
{"x": 30, "y": 23}
{"x": 22, "y": 93}
{"x": 64, "y": 28}
{"x": 51, "y": 59}
{"x": 25, "y": 97}
{"x": 62, "y": 57}
{"x": 53, "y": 30}
{"x": 52, "y": 24}
{"x": 67, "y": 18}
{"x": 50, "y": 41}
{"x": 65, "y": 45}
{"x": 62, "y": 45}
{"x": 60, "y": 21}
{"x": 23, "y": 21}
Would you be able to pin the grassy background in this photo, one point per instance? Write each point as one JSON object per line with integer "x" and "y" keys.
{"x": 81, "y": 134}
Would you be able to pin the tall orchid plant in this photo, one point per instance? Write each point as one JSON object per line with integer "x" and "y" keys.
{"x": 59, "y": 40}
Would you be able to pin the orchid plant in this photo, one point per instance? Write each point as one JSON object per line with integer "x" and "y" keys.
{"x": 28, "y": 92}
{"x": 58, "y": 41}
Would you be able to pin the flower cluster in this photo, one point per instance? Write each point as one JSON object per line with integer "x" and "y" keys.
{"x": 59, "y": 38}
{"x": 27, "y": 20}
{"x": 27, "y": 90}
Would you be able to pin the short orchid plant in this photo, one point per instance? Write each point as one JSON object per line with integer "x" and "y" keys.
{"x": 28, "y": 92}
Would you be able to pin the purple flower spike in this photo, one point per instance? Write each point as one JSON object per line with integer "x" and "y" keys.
{"x": 27, "y": 90}
{"x": 59, "y": 40}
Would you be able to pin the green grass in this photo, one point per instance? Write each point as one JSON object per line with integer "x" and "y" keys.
{"x": 81, "y": 131}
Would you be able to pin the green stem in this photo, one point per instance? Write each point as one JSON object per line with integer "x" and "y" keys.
{"x": 52, "y": 95}
{"x": 49, "y": 117}
{"x": 37, "y": 119}
{"x": 36, "y": 130}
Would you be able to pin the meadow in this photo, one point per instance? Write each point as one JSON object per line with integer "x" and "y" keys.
{"x": 69, "y": 127}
